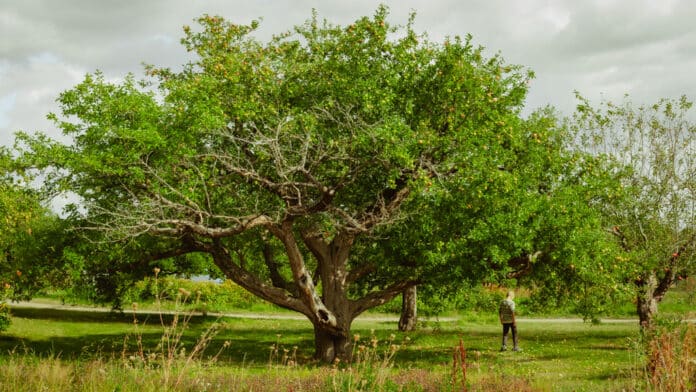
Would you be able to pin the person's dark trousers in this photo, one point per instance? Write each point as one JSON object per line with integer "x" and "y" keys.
{"x": 506, "y": 328}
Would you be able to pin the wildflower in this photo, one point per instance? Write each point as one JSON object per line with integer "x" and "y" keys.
{"x": 226, "y": 344}
{"x": 392, "y": 337}
{"x": 156, "y": 270}
{"x": 135, "y": 306}
{"x": 356, "y": 337}
{"x": 7, "y": 286}
{"x": 19, "y": 273}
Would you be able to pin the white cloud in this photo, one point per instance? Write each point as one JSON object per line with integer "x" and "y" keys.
{"x": 610, "y": 47}
{"x": 7, "y": 103}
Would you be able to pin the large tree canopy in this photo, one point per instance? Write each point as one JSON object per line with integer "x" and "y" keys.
{"x": 532, "y": 221}
{"x": 319, "y": 141}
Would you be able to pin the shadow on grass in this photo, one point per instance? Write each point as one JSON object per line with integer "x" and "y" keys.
{"x": 82, "y": 316}
{"x": 114, "y": 334}
{"x": 252, "y": 341}
{"x": 245, "y": 346}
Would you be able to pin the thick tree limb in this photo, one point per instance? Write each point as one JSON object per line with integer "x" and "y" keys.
{"x": 380, "y": 297}
{"x": 251, "y": 283}
{"x": 276, "y": 278}
{"x": 179, "y": 226}
{"x": 318, "y": 312}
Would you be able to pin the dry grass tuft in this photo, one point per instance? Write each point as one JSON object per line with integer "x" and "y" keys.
{"x": 671, "y": 362}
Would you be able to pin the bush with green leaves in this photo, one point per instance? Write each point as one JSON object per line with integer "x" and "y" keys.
{"x": 205, "y": 295}
{"x": 4, "y": 316}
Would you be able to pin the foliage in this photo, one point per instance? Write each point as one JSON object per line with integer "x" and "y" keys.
{"x": 4, "y": 316}
{"x": 533, "y": 223}
{"x": 31, "y": 240}
{"x": 211, "y": 296}
{"x": 652, "y": 216}
{"x": 106, "y": 274}
{"x": 324, "y": 171}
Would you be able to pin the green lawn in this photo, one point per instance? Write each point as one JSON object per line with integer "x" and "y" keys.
{"x": 557, "y": 356}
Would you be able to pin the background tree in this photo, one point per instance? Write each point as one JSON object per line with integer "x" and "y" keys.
{"x": 279, "y": 160}
{"x": 652, "y": 149}
{"x": 31, "y": 241}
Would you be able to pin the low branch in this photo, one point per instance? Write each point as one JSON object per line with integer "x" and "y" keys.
{"x": 276, "y": 278}
{"x": 380, "y": 297}
{"x": 251, "y": 283}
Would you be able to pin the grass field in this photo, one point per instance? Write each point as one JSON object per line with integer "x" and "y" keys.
{"x": 64, "y": 350}
{"x": 259, "y": 354}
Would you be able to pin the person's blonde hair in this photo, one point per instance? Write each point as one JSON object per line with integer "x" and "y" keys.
{"x": 510, "y": 294}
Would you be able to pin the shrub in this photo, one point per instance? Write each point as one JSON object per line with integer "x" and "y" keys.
{"x": 4, "y": 316}
{"x": 210, "y": 296}
{"x": 5, "y": 293}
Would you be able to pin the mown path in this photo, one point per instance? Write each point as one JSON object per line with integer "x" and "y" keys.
{"x": 281, "y": 316}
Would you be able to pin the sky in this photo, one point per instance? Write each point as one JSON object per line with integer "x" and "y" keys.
{"x": 603, "y": 49}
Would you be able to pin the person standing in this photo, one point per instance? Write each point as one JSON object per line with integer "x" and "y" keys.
{"x": 506, "y": 312}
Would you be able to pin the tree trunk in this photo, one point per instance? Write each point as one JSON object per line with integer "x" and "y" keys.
{"x": 330, "y": 347}
{"x": 334, "y": 343}
{"x": 646, "y": 305}
{"x": 330, "y": 309}
{"x": 651, "y": 291}
{"x": 409, "y": 315}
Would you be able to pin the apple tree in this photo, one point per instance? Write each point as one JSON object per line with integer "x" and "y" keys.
{"x": 31, "y": 240}
{"x": 652, "y": 150}
{"x": 278, "y": 159}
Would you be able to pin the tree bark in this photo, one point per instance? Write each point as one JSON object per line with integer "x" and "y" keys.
{"x": 330, "y": 347}
{"x": 332, "y": 257}
{"x": 651, "y": 291}
{"x": 409, "y": 315}
{"x": 647, "y": 309}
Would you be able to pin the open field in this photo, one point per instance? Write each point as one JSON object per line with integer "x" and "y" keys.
{"x": 557, "y": 356}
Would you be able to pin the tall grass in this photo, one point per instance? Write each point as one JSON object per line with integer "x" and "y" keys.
{"x": 171, "y": 356}
{"x": 671, "y": 359}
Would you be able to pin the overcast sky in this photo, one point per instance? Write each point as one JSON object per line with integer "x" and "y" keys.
{"x": 602, "y": 48}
